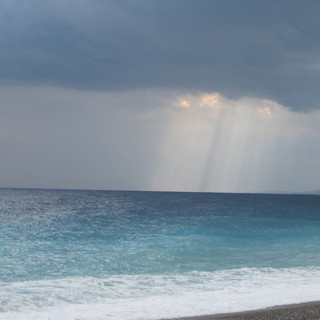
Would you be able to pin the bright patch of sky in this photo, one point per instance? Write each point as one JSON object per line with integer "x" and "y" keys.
{"x": 155, "y": 140}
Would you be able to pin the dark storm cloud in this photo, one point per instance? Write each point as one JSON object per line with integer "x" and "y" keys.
{"x": 266, "y": 49}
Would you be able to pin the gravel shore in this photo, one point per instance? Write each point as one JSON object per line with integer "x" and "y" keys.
{"x": 302, "y": 311}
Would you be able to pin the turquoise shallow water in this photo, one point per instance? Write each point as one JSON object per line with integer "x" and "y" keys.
{"x": 121, "y": 255}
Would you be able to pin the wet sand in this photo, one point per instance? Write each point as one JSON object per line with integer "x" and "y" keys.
{"x": 302, "y": 311}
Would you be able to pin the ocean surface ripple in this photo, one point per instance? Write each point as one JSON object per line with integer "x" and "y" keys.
{"x": 89, "y": 255}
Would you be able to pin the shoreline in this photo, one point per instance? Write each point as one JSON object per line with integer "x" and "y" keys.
{"x": 299, "y": 311}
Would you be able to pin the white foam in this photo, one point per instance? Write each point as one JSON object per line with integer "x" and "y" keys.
{"x": 132, "y": 297}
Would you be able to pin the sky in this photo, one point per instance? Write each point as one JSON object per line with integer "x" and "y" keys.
{"x": 167, "y": 95}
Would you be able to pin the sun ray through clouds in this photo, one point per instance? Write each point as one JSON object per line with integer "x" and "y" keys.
{"x": 216, "y": 144}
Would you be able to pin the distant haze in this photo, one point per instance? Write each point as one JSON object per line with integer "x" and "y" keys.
{"x": 181, "y": 95}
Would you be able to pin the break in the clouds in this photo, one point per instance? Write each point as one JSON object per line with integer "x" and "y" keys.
{"x": 155, "y": 140}
{"x": 262, "y": 49}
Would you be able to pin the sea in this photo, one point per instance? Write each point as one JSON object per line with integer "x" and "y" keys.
{"x": 126, "y": 255}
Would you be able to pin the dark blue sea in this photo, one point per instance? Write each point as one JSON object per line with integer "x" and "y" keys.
{"x": 100, "y": 255}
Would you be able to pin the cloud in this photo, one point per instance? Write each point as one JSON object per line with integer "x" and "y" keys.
{"x": 265, "y": 50}
{"x": 145, "y": 140}
{"x": 239, "y": 145}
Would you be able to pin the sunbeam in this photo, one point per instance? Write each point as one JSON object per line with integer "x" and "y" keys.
{"x": 216, "y": 144}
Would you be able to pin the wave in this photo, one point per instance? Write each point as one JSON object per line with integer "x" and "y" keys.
{"x": 130, "y": 297}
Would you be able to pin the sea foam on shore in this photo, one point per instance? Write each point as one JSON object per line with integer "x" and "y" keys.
{"x": 129, "y": 297}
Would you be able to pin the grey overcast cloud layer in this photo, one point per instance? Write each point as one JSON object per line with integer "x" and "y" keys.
{"x": 264, "y": 49}
{"x": 201, "y": 95}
